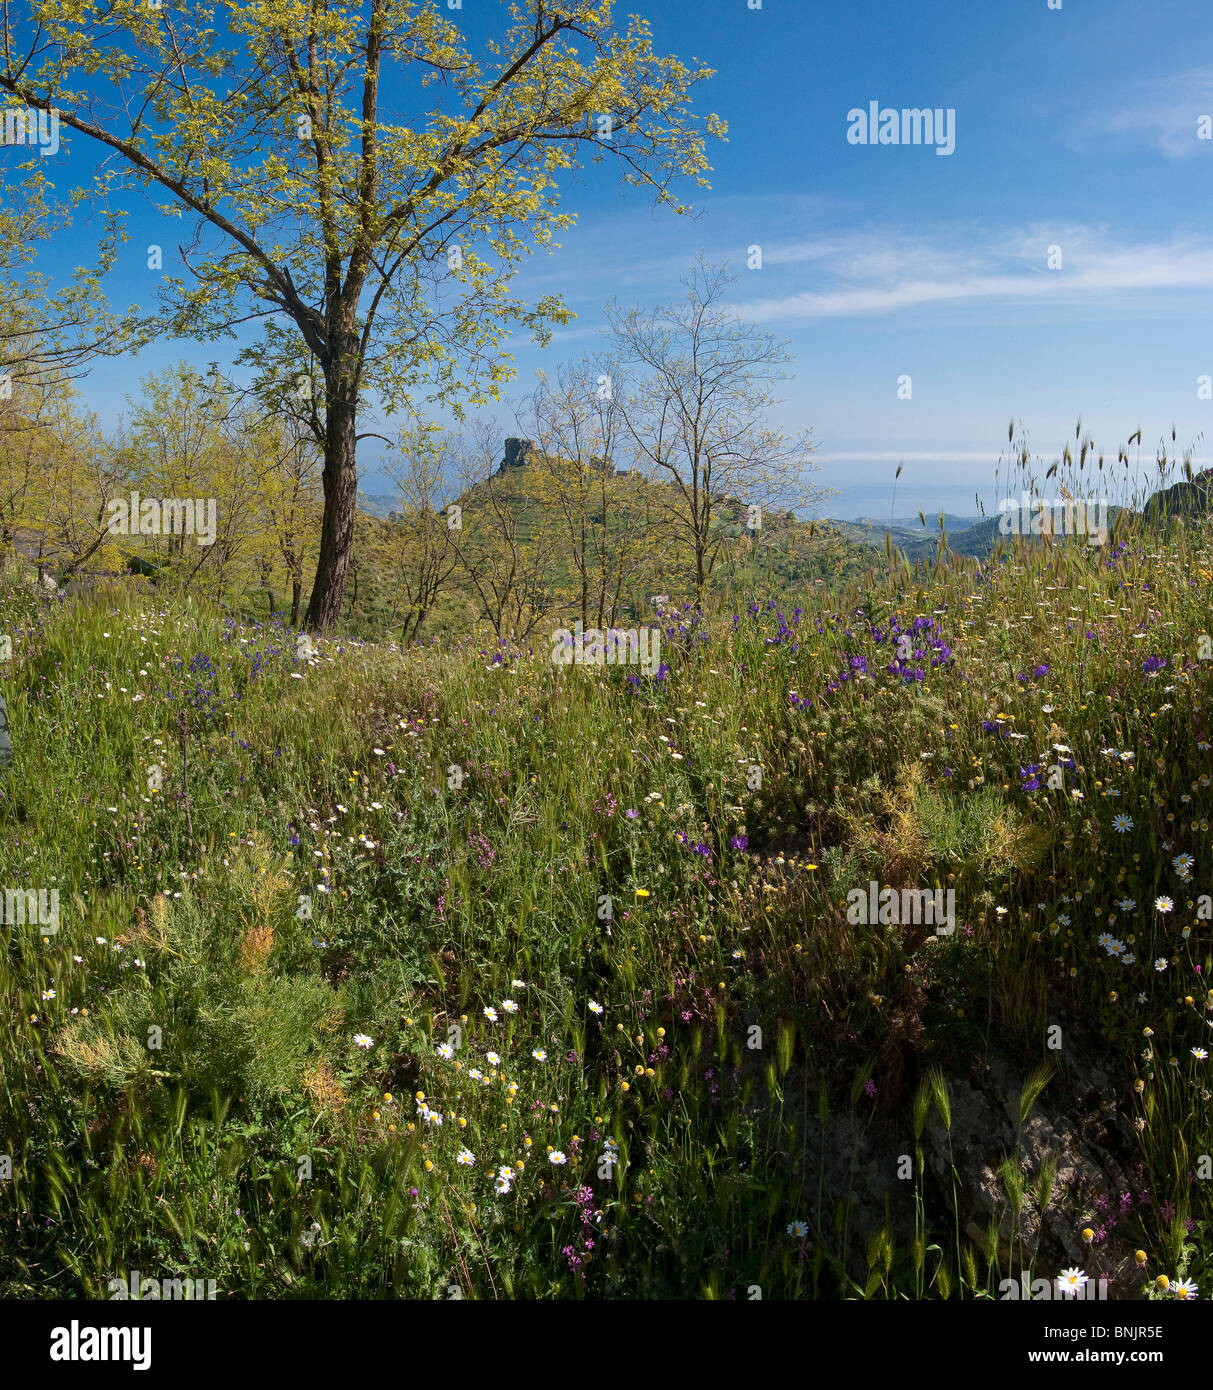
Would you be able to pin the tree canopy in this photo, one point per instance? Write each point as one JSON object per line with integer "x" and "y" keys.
{"x": 357, "y": 173}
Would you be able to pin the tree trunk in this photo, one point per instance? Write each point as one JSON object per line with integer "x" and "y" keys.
{"x": 585, "y": 578}
{"x": 340, "y": 505}
{"x": 296, "y": 599}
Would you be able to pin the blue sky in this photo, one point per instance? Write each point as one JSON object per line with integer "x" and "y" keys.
{"x": 1074, "y": 127}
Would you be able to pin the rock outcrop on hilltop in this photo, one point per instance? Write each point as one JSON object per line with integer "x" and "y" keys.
{"x": 524, "y": 453}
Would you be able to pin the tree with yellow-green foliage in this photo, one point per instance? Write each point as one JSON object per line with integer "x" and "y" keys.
{"x": 356, "y": 170}
{"x": 422, "y": 558}
{"x": 58, "y": 475}
{"x": 190, "y": 439}
{"x": 291, "y": 501}
{"x": 54, "y": 468}
{"x": 175, "y": 440}
{"x": 48, "y": 333}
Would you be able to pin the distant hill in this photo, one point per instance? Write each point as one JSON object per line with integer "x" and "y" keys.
{"x": 378, "y": 504}
{"x": 786, "y": 558}
{"x": 916, "y": 543}
{"x": 977, "y": 537}
{"x": 912, "y": 523}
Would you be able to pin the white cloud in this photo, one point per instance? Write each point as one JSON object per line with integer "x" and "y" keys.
{"x": 910, "y": 456}
{"x": 1162, "y": 113}
{"x": 882, "y": 274}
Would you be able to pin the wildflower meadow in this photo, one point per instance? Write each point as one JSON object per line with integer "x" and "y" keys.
{"x": 365, "y": 985}
{"x": 556, "y": 747}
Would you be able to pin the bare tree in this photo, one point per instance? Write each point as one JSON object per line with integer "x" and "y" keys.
{"x": 701, "y": 384}
{"x": 424, "y": 552}
{"x": 293, "y": 501}
{"x": 582, "y": 439}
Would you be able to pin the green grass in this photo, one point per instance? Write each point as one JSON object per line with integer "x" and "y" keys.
{"x": 381, "y": 843}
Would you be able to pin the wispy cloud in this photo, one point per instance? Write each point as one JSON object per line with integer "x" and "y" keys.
{"x": 1161, "y": 114}
{"x": 910, "y": 456}
{"x": 878, "y": 274}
